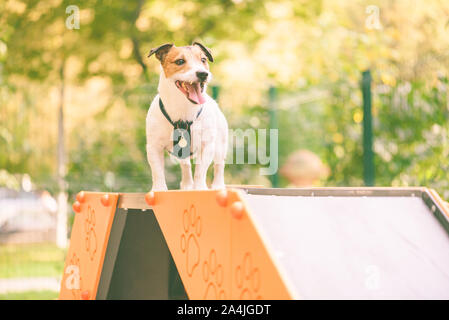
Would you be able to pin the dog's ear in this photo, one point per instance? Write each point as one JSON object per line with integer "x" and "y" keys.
{"x": 161, "y": 51}
{"x": 206, "y": 51}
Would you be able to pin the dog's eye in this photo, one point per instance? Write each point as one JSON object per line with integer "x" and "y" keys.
{"x": 180, "y": 62}
{"x": 203, "y": 60}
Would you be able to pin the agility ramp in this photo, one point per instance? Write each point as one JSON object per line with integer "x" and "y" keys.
{"x": 255, "y": 243}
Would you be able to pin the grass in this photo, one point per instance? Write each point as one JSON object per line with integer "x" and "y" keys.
{"x": 31, "y": 260}
{"x": 30, "y": 295}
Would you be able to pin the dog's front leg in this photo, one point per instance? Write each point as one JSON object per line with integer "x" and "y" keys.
{"x": 186, "y": 179}
{"x": 202, "y": 165}
{"x": 155, "y": 157}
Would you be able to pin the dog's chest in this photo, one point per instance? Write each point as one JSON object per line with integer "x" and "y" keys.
{"x": 182, "y": 139}
{"x": 187, "y": 138}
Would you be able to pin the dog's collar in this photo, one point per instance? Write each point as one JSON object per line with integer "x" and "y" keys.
{"x": 181, "y": 134}
{"x": 176, "y": 123}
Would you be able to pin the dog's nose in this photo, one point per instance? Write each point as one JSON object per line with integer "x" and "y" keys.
{"x": 202, "y": 75}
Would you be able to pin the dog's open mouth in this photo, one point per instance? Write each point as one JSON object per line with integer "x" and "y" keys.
{"x": 192, "y": 90}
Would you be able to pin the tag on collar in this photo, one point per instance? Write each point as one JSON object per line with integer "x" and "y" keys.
{"x": 181, "y": 139}
{"x": 181, "y": 134}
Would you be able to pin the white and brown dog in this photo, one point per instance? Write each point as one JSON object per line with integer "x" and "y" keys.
{"x": 184, "y": 120}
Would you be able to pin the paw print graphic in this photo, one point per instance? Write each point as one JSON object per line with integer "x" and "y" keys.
{"x": 248, "y": 279}
{"x": 213, "y": 277}
{"x": 189, "y": 239}
{"x": 89, "y": 229}
{"x": 73, "y": 281}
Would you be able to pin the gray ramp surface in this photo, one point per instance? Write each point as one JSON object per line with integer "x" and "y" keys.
{"x": 355, "y": 247}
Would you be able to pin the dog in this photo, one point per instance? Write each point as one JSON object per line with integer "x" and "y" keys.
{"x": 184, "y": 120}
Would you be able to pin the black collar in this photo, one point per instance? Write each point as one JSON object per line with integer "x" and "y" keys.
{"x": 181, "y": 134}
{"x": 179, "y": 123}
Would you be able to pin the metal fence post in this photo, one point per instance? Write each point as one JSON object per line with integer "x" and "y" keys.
{"x": 215, "y": 92}
{"x": 368, "y": 155}
{"x": 272, "y": 97}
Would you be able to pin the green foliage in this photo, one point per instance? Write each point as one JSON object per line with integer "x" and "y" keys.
{"x": 312, "y": 51}
{"x": 8, "y": 180}
{"x": 31, "y": 295}
{"x": 31, "y": 260}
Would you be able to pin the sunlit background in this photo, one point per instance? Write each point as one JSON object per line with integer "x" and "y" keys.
{"x": 74, "y": 96}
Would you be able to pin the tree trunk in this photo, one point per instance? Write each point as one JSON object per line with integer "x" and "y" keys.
{"x": 61, "y": 220}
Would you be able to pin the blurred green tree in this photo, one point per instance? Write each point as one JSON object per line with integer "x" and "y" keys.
{"x": 312, "y": 51}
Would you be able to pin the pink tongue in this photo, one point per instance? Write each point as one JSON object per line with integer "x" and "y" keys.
{"x": 195, "y": 93}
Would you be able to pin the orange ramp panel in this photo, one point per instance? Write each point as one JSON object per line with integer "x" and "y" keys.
{"x": 94, "y": 214}
{"x": 216, "y": 247}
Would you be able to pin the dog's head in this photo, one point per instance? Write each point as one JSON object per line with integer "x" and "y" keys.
{"x": 187, "y": 67}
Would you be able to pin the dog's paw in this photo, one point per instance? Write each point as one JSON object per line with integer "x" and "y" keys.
{"x": 218, "y": 186}
{"x": 200, "y": 186}
{"x": 159, "y": 188}
{"x": 186, "y": 186}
